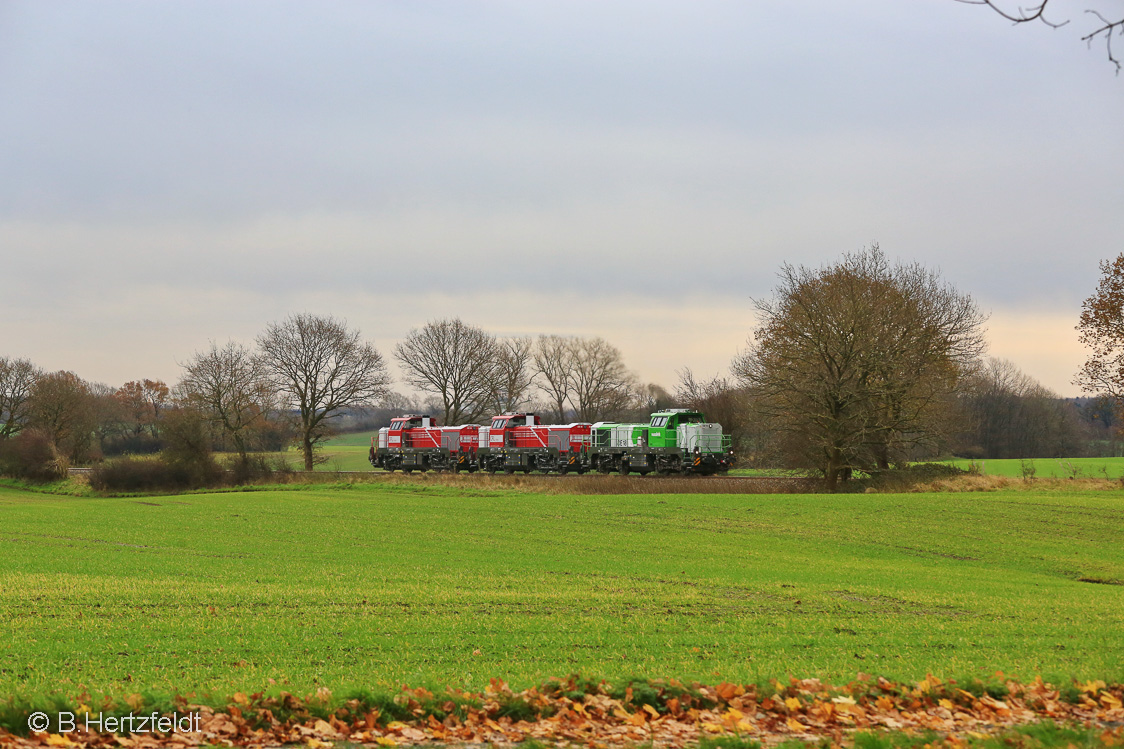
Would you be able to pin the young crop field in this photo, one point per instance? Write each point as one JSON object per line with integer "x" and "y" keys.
{"x": 345, "y": 452}
{"x": 377, "y": 585}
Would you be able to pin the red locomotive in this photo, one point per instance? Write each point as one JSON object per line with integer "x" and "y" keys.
{"x": 513, "y": 442}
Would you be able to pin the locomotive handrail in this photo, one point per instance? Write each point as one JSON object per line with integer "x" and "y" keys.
{"x": 707, "y": 443}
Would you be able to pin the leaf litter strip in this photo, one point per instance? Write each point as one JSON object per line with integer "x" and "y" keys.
{"x": 664, "y": 714}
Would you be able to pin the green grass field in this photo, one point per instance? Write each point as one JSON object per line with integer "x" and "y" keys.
{"x": 1094, "y": 468}
{"x": 345, "y": 452}
{"x": 373, "y": 586}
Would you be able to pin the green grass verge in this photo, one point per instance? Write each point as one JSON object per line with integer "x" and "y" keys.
{"x": 1044, "y": 735}
{"x": 373, "y": 586}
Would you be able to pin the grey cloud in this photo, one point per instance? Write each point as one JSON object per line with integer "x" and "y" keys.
{"x": 279, "y": 149}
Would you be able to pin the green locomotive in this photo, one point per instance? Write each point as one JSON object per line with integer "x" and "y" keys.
{"x": 677, "y": 440}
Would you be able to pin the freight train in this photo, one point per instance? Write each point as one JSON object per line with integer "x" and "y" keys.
{"x": 675, "y": 441}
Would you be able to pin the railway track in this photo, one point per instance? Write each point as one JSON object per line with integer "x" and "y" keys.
{"x": 596, "y": 483}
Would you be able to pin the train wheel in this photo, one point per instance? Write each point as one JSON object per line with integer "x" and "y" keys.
{"x": 624, "y": 469}
{"x": 509, "y": 471}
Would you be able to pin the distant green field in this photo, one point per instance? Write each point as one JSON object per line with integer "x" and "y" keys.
{"x": 375, "y": 585}
{"x": 1112, "y": 468}
{"x": 353, "y": 439}
{"x": 347, "y": 452}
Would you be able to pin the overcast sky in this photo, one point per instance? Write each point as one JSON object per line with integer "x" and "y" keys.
{"x": 173, "y": 173}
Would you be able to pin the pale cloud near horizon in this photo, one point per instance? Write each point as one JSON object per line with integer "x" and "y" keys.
{"x": 703, "y": 333}
{"x": 1042, "y": 344}
{"x": 180, "y": 172}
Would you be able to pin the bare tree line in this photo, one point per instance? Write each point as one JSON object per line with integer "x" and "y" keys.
{"x": 860, "y": 365}
{"x": 474, "y": 374}
{"x": 306, "y": 372}
{"x": 73, "y": 415}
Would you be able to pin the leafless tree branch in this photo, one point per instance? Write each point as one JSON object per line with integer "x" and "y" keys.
{"x": 1034, "y": 13}
{"x": 1106, "y": 29}
{"x": 229, "y": 385}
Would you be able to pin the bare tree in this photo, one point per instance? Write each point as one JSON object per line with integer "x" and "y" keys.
{"x": 602, "y": 387}
{"x": 652, "y": 397}
{"x": 554, "y": 363}
{"x": 586, "y": 376}
{"x": 320, "y": 367}
{"x": 62, "y": 405}
{"x": 513, "y": 374}
{"x": 1102, "y": 329}
{"x": 856, "y": 363}
{"x": 230, "y": 387}
{"x": 726, "y": 403}
{"x": 454, "y": 361}
{"x": 17, "y": 378}
{"x": 157, "y": 393}
{"x": 706, "y": 396}
{"x": 134, "y": 406}
{"x": 1008, "y": 414}
{"x": 143, "y": 400}
{"x": 1103, "y": 27}
{"x": 113, "y": 426}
